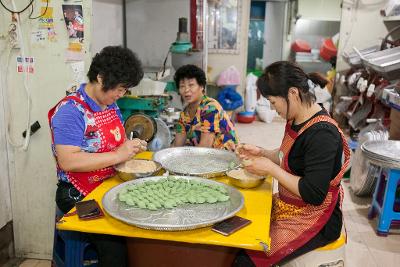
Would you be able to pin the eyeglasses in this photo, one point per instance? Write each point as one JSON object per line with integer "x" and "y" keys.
{"x": 191, "y": 87}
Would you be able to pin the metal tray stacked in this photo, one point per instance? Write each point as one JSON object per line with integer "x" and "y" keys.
{"x": 363, "y": 174}
{"x": 386, "y": 62}
{"x": 184, "y": 217}
{"x": 354, "y": 59}
{"x": 383, "y": 153}
{"x": 196, "y": 161}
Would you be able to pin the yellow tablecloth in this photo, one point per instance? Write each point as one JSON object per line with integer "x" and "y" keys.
{"x": 257, "y": 208}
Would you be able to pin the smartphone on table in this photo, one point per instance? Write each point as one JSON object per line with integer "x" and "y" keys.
{"x": 88, "y": 209}
{"x": 230, "y": 225}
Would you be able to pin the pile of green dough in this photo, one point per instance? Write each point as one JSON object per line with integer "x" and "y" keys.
{"x": 171, "y": 192}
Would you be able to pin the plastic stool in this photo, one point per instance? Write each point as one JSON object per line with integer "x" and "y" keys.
{"x": 384, "y": 199}
{"x": 72, "y": 249}
{"x": 332, "y": 255}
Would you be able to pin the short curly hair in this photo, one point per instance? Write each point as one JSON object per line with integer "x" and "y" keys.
{"x": 190, "y": 72}
{"x": 117, "y": 66}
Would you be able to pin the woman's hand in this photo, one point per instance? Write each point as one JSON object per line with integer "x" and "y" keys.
{"x": 140, "y": 143}
{"x": 245, "y": 151}
{"x": 258, "y": 165}
{"x": 130, "y": 148}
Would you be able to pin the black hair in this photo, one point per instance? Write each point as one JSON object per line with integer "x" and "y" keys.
{"x": 117, "y": 66}
{"x": 190, "y": 72}
{"x": 278, "y": 77}
{"x": 332, "y": 61}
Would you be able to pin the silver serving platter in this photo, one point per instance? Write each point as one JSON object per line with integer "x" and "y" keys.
{"x": 354, "y": 59}
{"x": 384, "y": 61}
{"x": 184, "y": 217}
{"x": 196, "y": 161}
{"x": 383, "y": 153}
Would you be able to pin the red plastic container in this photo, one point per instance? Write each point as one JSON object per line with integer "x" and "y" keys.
{"x": 245, "y": 118}
{"x": 301, "y": 46}
{"x": 328, "y": 49}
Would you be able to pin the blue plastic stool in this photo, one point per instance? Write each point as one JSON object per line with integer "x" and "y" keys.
{"x": 384, "y": 200}
{"x": 72, "y": 249}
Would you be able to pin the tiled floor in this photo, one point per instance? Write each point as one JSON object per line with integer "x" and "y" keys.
{"x": 364, "y": 248}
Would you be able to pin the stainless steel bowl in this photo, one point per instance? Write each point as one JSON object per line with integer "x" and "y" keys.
{"x": 127, "y": 176}
{"x": 244, "y": 183}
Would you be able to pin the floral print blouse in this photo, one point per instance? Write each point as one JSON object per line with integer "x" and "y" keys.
{"x": 210, "y": 118}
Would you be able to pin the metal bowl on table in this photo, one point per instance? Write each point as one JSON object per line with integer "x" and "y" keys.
{"x": 196, "y": 161}
{"x": 125, "y": 175}
{"x": 243, "y": 179}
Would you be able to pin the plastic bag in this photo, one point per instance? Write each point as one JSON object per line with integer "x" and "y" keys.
{"x": 229, "y": 98}
{"x": 148, "y": 87}
{"x": 264, "y": 111}
{"x": 230, "y": 76}
{"x": 250, "y": 101}
{"x": 323, "y": 97}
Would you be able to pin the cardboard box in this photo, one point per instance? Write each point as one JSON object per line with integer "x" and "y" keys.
{"x": 394, "y": 131}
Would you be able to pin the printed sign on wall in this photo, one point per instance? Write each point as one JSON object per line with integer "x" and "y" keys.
{"x": 46, "y": 21}
{"x": 73, "y": 17}
{"x": 25, "y": 64}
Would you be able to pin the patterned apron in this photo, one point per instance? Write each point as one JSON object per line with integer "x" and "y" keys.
{"x": 294, "y": 222}
{"x": 112, "y": 134}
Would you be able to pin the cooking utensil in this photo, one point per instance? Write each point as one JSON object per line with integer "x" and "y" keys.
{"x": 196, "y": 161}
{"x": 243, "y": 183}
{"x": 184, "y": 217}
{"x": 362, "y": 174}
{"x": 141, "y": 126}
{"x": 127, "y": 176}
{"x": 386, "y": 62}
{"x": 162, "y": 139}
{"x": 354, "y": 59}
{"x": 383, "y": 153}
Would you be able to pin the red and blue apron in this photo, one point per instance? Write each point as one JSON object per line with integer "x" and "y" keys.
{"x": 107, "y": 127}
{"x": 294, "y": 222}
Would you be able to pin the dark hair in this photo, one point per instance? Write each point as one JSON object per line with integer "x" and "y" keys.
{"x": 117, "y": 66}
{"x": 190, "y": 72}
{"x": 332, "y": 61}
{"x": 278, "y": 77}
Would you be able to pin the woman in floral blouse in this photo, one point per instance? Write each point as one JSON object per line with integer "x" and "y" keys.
{"x": 203, "y": 122}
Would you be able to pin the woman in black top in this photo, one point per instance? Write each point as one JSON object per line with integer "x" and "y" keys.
{"x": 308, "y": 166}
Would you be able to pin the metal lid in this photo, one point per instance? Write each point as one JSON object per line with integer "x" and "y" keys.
{"x": 142, "y": 126}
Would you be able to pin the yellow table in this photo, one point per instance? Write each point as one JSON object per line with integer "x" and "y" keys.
{"x": 257, "y": 208}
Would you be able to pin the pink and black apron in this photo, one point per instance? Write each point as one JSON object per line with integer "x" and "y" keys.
{"x": 294, "y": 222}
{"x": 106, "y": 127}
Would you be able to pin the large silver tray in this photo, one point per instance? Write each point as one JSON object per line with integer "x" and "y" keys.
{"x": 184, "y": 217}
{"x": 354, "y": 59}
{"x": 383, "y": 153}
{"x": 385, "y": 61}
{"x": 196, "y": 161}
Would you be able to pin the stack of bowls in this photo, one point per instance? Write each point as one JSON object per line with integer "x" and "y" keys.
{"x": 383, "y": 153}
